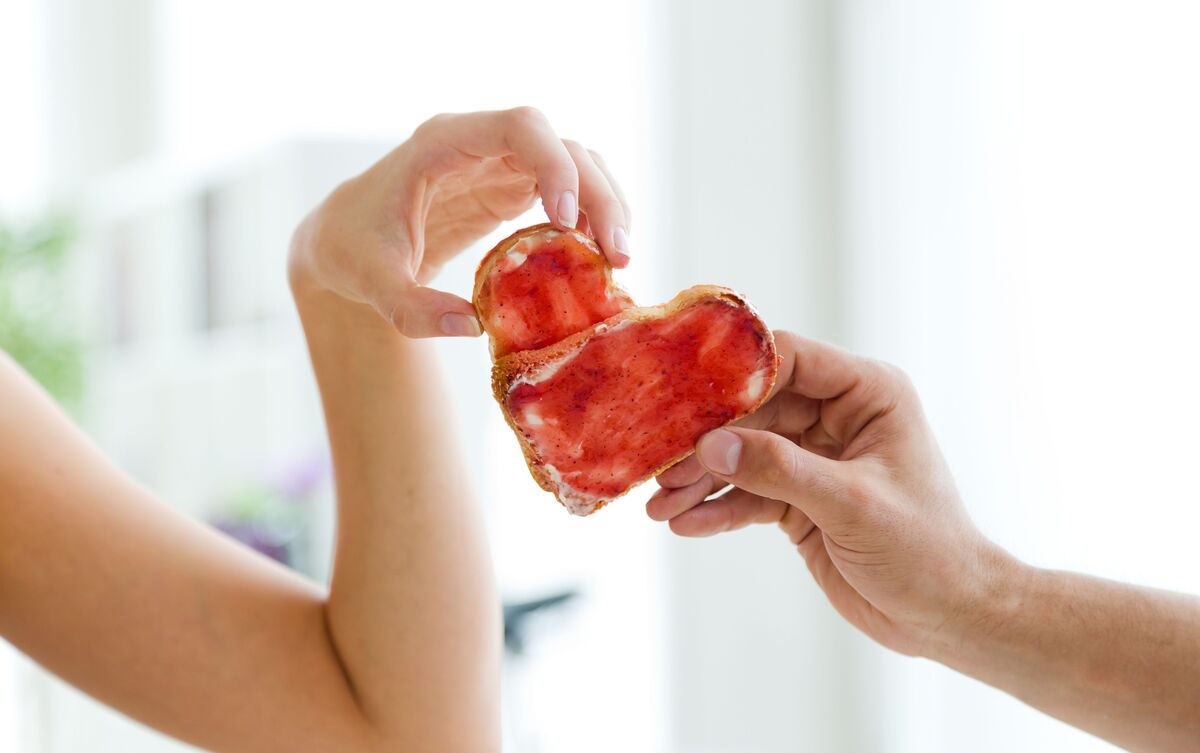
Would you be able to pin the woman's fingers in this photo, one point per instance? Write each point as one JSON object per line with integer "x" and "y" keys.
{"x": 735, "y": 509}
{"x": 606, "y": 215}
{"x": 616, "y": 187}
{"x": 521, "y": 135}
{"x": 569, "y": 179}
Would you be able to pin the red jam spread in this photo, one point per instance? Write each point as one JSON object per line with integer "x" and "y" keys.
{"x": 638, "y": 394}
{"x": 545, "y": 286}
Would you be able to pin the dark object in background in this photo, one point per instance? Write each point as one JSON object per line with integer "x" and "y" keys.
{"x": 517, "y": 614}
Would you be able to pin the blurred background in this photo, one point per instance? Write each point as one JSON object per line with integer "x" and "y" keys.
{"x": 1001, "y": 196}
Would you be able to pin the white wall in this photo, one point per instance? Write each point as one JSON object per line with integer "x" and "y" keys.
{"x": 20, "y": 154}
{"x": 1020, "y": 202}
{"x": 22, "y": 138}
{"x": 759, "y": 660}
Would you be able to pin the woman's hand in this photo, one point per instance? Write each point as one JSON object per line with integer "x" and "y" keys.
{"x": 380, "y": 237}
{"x": 412, "y": 603}
{"x": 844, "y": 461}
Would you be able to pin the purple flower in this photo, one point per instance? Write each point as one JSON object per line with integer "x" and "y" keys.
{"x": 302, "y": 477}
{"x": 257, "y": 537}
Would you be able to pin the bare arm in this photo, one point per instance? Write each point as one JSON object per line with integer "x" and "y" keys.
{"x": 1119, "y": 661}
{"x": 181, "y": 628}
{"x": 412, "y": 608}
{"x": 150, "y": 611}
{"x": 844, "y": 462}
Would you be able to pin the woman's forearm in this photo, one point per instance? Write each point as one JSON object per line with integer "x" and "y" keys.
{"x": 1120, "y": 661}
{"x": 412, "y": 608}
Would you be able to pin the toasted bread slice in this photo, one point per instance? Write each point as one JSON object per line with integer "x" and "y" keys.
{"x": 608, "y": 407}
{"x": 541, "y": 285}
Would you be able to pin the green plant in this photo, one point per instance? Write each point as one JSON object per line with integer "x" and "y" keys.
{"x": 34, "y": 326}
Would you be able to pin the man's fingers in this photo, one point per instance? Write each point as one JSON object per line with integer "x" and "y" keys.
{"x": 771, "y": 466}
{"x": 665, "y": 504}
{"x": 815, "y": 369}
{"x": 522, "y": 135}
{"x": 418, "y": 311}
{"x": 854, "y": 390}
{"x": 786, "y": 413}
{"x": 684, "y": 473}
{"x": 606, "y": 215}
{"x": 797, "y": 525}
{"x": 735, "y": 509}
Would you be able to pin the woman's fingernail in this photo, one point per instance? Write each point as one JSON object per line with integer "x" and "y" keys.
{"x": 568, "y": 210}
{"x": 621, "y": 243}
{"x": 720, "y": 451}
{"x": 460, "y": 325}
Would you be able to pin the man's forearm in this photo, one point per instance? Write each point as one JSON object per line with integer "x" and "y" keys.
{"x": 1119, "y": 661}
{"x": 412, "y": 605}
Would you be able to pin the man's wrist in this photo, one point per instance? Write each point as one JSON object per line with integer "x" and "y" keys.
{"x": 990, "y": 607}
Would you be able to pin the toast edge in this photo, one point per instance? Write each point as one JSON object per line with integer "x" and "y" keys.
{"x": 509, "y": 368}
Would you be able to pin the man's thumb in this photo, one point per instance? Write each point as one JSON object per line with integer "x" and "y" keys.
{"x": 771, "y": 466}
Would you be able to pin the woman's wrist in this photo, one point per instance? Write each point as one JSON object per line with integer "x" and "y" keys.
{"x": 317, "y": 304}
{"x": 300, "y": 271}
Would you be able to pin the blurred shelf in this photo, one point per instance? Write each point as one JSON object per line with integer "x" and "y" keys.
{"x": 198, "y": 381}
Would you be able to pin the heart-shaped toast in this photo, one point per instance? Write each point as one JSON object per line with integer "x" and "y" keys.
{"x": 601, "y": 394}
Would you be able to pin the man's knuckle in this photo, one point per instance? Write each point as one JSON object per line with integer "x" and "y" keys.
{"x": 889, "y": 375}
{"x": 787, "y": 338}
{"x": 858, "y": 492}
{"x": 778, "y": 466}
{"x": 900, "y": 377}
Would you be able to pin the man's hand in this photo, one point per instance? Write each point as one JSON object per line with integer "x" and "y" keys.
{"x": 382, "y": 236}
{"x": 843, "y": 460}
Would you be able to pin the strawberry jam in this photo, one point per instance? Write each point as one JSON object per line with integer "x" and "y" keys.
{"x": 635, "y": 395}
{"x": 539, "y": 287}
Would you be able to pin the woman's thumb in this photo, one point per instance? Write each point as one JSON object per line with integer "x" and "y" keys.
{"x": 418, "y": 311}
